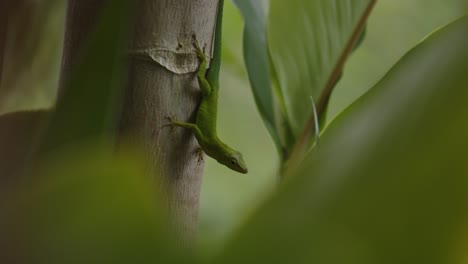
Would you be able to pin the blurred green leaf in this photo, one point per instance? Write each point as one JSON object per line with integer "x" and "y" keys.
{"x": 89, "y": 105}
{"x": 257, "y": 61}
{"x": 309, "y": 41}
{"x": 87, "y": 205}
{"x": 388, "y": 183}
{"x": 31, "y": 34}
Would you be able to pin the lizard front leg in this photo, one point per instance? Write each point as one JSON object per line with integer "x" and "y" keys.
{"x": 205, "y": 86}
{"x": 193, "y": 127}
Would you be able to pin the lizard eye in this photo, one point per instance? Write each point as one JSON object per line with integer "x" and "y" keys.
{"x": 233, "y": 162}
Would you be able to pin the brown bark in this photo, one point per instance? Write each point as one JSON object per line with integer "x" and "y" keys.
{"x": 162, "y": 83}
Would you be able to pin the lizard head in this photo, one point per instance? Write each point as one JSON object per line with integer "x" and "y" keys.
{"x": 236, "y": 162}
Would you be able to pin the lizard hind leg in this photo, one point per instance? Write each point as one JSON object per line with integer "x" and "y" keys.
{"x": 200, "y": 153}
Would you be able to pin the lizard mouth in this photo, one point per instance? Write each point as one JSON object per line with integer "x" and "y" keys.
{"x": 243, "y": 170}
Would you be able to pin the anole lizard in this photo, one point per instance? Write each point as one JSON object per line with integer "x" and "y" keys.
{"x": 204, "y": 127}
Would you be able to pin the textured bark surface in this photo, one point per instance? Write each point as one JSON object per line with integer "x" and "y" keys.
{"x": 162, "y": 83}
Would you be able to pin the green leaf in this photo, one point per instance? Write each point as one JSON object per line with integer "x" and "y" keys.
{"x": 87, "y": 205}
{"x": 388, "y": 182}
{"x": 309, "y": 41}
{"x": 257, "y": 61}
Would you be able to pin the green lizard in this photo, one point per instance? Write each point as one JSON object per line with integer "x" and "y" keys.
{"x": 205, "y": 126}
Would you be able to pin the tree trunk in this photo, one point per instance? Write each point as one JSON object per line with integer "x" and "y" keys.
{"x": 162, "y": 83}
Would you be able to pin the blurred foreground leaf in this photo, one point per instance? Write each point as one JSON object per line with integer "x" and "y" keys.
{"x": 89, "y": 105}
{"x": 31, "y": 45}
{"x": 389, "y": 181}
{"x": 86, "y": 205}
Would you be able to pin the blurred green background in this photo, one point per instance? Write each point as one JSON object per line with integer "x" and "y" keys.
{"x": 228, "y": 197}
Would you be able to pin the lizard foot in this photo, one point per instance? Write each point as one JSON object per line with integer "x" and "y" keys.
{"x": 200, "y": 52}
{"x": 172, "y": 123}
{"x": 200, "y": 152}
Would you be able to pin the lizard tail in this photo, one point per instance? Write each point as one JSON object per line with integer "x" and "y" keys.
{"x": 213, "y": 73}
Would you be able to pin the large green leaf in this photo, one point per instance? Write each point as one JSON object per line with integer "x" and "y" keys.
{"x": 257, "y": 61}
{"x": 302, "y": 57}
{"x": 388, "y": 183}
{"x": 309, "y": 41}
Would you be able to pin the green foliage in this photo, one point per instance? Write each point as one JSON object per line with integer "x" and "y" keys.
{"x": 257, "y": 62}
{"x": 304, "y": 58}
{"x": 388, "y": 183}
{"x": 307, "y": 45}
{"x": 86, "y": 205}
{"x": 393, "y": 28}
